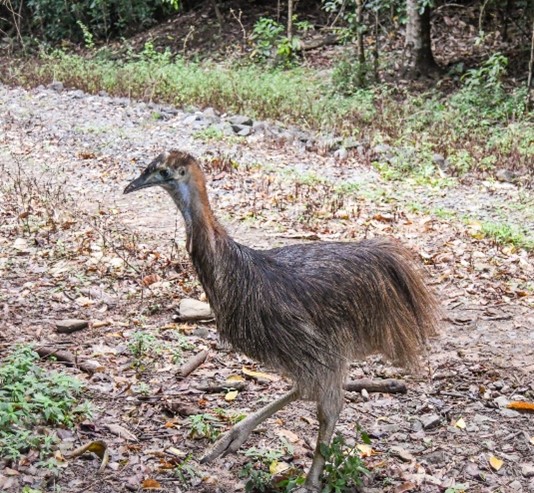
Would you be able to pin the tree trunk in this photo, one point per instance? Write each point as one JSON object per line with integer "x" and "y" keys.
{"x": 418, "y": 46}
{"x": 290, "y": 20}
{"x": 530, "y": 71}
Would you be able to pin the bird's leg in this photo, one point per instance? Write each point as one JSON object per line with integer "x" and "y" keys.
{"x": 236, "y": 436}
{"x": 328, "y": 410}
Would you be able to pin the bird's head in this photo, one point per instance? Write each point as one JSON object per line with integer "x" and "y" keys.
{"x": 169, "y": 170}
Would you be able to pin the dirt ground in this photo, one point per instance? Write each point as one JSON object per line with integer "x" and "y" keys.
{"x": 72, "y": 246}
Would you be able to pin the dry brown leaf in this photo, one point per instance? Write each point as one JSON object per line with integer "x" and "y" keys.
{"x": 460, "y": 424}
{"x": 521, "y": 406}
{"x": 121, "y": 432}
{"x": 151, "y": 484}
{"x": 150, "y": 279}
{"x": 404, "y": 487}
{"x": 258, "y": 375}
{"x": 288, "y": 435}
{"x": 231, "y": 396}
{"x": 365, "y": 450}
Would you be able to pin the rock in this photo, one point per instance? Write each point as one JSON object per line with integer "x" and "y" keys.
{"x": 351, "y": 143}
{"x": 194, "y": 310}
{"x": 515, "y": 486}
{"x": 527, "y": 470}
{"x": 401, "y": 453}
{"x": 210, "y": 113}
{"x": 341, "y": 154}
{"x": 71, "y": 325}
{"x": 441, "y": 162}
{"x": 382, "y": 149}
{"x": 259, "y": 126}
{"x": 240, "y": 120}
{"x": 103, "y": 94}
{"x": 224, "y": 127}
{"x": 78, "y": 94}
{"x": 56, "y": 86}
{"x": 437, "y": 458}
{"x": 202, "y": 332}
{"x": 471, "y": 469}
{"x": 501, "y": 401}
{"x": 430, "y": 421}
{"x": 505, "y": 175}
{"x": 195, "y": 118}
{"x": 242, "y": 130}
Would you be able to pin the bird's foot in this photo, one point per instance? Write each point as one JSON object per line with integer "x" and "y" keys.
{"x": 228, "y": 443}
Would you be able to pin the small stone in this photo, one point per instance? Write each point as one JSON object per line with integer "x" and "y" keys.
{"x": 351, "y": 143}
{"x": 259, "y": 126}
{"x": 224, "y": 127}
{"x": 441, "y": 162}
{"x": 430, "y": 421}
{"x": 78, "y": 94}
{"x": 240, "y": 120}
{"x": 71, "y": 325}
{"x": 56, "y": 86}
{"x": 341, "y": 154}
{"x": 201, "y": 332}
{"x": 437, "y": 458}
{"x": 527, "y": 470}
{"x": 365, "y": 394}
{"x": 501, "y": 401}
{"x": 245, "y": 131}
{"x": 505, "y": 175}
{"x": 194, "y": 310}
{"x": 210, "y": 113}
{"x": 471, "y": 469}
{"x": 401, "y": 453}
{"x": 515, "y": 486}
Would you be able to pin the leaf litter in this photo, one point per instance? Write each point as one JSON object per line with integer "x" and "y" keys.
{"x": 73, "y": 248}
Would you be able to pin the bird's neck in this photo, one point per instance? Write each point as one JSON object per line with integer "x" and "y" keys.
{"x": 206, "y": 239}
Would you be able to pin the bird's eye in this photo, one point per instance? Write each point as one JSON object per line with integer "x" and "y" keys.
{"x": 164, "y": 173}
{"x": 181, "y": 172}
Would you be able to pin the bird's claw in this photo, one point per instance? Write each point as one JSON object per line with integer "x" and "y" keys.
{"x": 228, "y": 443}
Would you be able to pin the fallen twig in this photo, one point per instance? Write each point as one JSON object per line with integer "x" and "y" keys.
{"x": 221, "y": 387}
{"x": 89, "y": 366}
{"x": 192, "y": 363}
{"x": 387, "y": 386}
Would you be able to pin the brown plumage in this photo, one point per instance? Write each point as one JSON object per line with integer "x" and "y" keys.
{"x": 306, "y": 310}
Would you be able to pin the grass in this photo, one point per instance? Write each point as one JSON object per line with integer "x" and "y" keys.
{"x": 479, "y": 127}
{"x": 32, "y": 401}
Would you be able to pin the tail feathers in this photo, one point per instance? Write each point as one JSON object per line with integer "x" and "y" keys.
{"x": 411, "y": 311}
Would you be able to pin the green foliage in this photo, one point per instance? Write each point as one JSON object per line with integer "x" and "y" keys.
{"x": 204, "y": 426}
{"x": 508, "y": 235}
{"x": 483, "y": 96}
{"x": 31, "y": 398}
{"x": 85, "y": 20}
{"x": 349, "y": 75}
{"x": 453, "y": 125}
{"x": 259, "y": 475}
{"x": 270, "y": 41}
{"x": 344, "y": 468}
{"x": 143, "y": 346}
{"x": 186, "y": 472}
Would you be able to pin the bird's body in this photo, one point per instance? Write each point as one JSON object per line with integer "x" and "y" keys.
{"x": 306, "y": 310}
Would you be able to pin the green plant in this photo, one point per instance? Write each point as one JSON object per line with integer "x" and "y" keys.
{"x": 271, "y": 42}
{"x": 186, "y": 472}
{"x": 204, "y": 426}
{"x": 143, "y": 346}
{"x": 344, "y": 467}
{"x": 349, "y": 75}
{"x": 30, "y": 399}
{"x": 179, "y": 345}
{"x": 87, "y": 35}
{"x": 507, "y": 234}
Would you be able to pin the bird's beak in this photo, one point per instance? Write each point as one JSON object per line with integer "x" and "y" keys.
{"x": 143, "y": 181}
